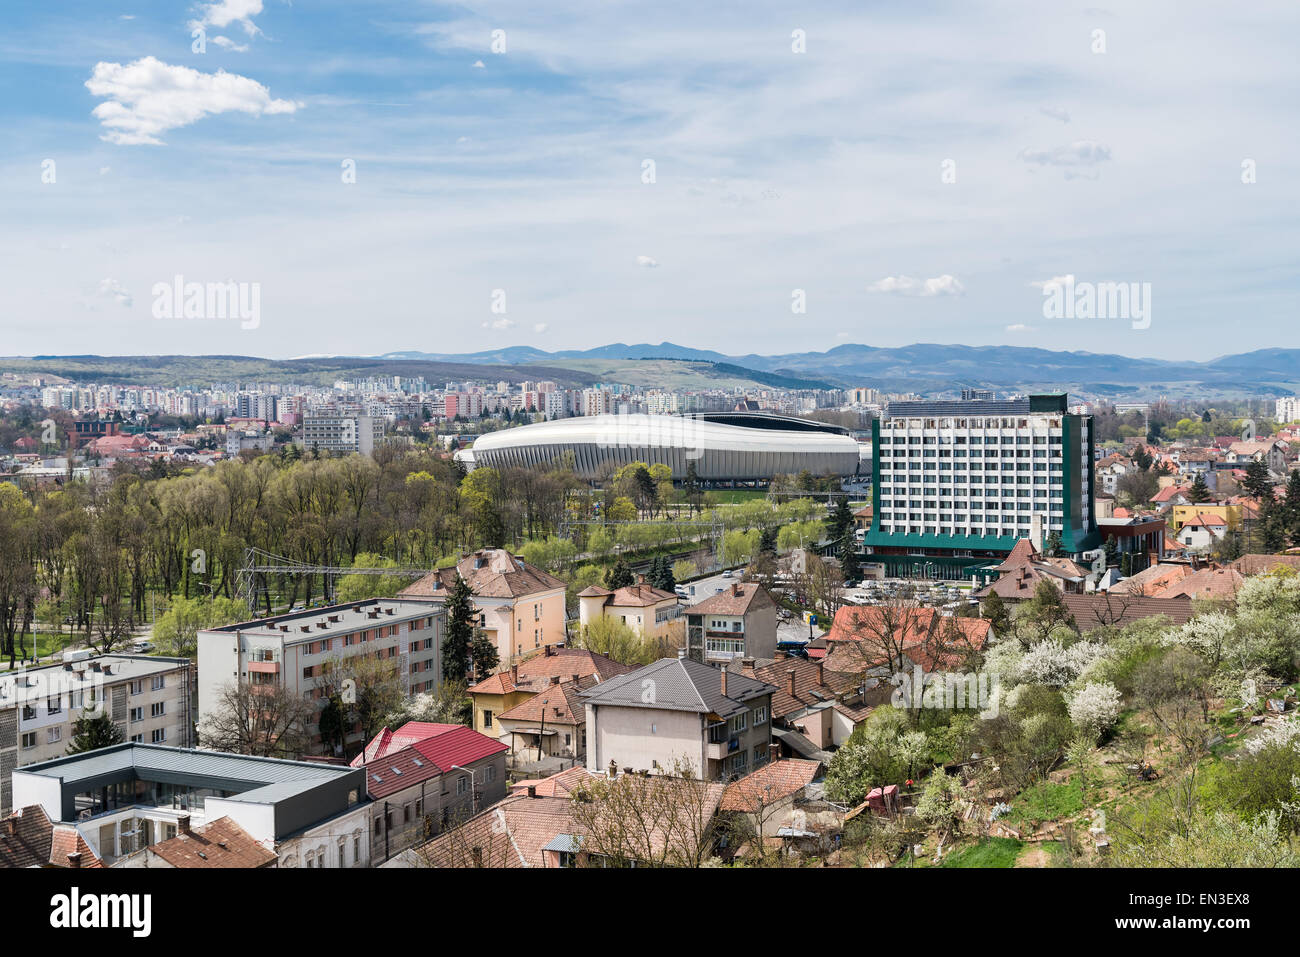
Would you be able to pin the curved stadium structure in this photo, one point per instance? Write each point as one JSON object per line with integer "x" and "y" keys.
{"x": 725, "y": 446}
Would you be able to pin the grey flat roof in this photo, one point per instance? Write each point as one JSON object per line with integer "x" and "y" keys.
{"x": 122, "y": 668}
{"x": 257, "y": 780}
{"x": 352, "y": 617}
{"x": 959, "y": 407}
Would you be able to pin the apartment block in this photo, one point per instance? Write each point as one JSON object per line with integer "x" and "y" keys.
{"x": 149, "y": 699}
{"x": 958, "y": 483}
{"x": 293, "y": 650}
{"x": 342, "y": 433}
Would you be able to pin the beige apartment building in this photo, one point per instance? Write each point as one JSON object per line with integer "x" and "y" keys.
{"x": 293, "y": 650}
{"x": 150, "y": 699}
{"x": 520, "y": 607}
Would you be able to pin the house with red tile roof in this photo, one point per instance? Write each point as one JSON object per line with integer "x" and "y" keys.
{"x": 1207, "y": 583}
{"x": 219, "y": 844}
{"x": 425, "y": 776}
{"x": 28, "y": 838}
{"x": 550, "y": 723}
{"x": 643, "y": 608}
{"x": 521, "y": 608}
{"x": 737, "y": 622}
{"x": 1202, "y": 532}
{"x": 506, "y": 689}
{"x": 894, "y": 637}
{"x": 815, "y": 700}
{"x": 532, "y": 829}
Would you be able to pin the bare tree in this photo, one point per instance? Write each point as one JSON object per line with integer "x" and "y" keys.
{"x": 655, "y": 820}
{"x": 263, "y": 720}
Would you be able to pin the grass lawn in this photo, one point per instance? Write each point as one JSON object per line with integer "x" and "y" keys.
{"x": 736, "y": 496}
{"x": 47, "y": 643}
{"x": 990, "y": 852}
{"x": 1046, "y": 801}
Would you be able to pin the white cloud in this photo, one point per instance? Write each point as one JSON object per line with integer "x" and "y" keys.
{"x": 944, "y": 285}
{"x": 1020, "y": 327}
{"x": 541, "y": 327}
{"x": 228, "y": 44}
{"x": 113, "y": 291}
{"x": 1078, "y": 153}
{"x": 647, "y": 261}
{"x": 222, "y": 13}
{"x": 478, "y": 65}
{"x": 1054, "y": 282}
{"x": 1056, "y": 113}
{"x": 105, "y": 170}
{"x": 147, "y": 98}
{"x": 502, "y": 323}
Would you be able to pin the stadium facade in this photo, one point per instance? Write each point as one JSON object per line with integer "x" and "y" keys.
{"x": 724, "y": 446}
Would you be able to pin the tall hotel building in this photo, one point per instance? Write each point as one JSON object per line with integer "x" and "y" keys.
{"x": 957, "y": 483}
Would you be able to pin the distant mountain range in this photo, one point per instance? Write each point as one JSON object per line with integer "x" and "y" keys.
{"x": 937, "y": 368}
{"x": 925, "y": 368}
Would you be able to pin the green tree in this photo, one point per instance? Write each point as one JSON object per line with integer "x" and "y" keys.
{"x": 848, "y": 555}
{"x": 176, "y": 631}
{"x": 620, "y": 576}
{"x": 840, "y": 519}
{"x": 1052, "y": 547}
{"x": 90, "y": 732}
{"x": 461, "y": 619}
{"x": 1199, "y": 491}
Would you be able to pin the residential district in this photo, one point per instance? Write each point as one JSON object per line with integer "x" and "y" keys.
{"x": 495, "y": 625}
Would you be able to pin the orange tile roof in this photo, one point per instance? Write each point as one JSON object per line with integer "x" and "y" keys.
{"x": 491, "y": 573}
{"x": 769, "y": 784}
{"x": 536, "y": 672}
{"x": 219, "y": 844}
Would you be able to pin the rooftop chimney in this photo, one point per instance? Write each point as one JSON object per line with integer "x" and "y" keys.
{"x": 477, "y": 853}
{"x": 183, "y": 824}
{"x": 821, "y": 672}
{"x": 747, "y": 666}
{"x": 11, "y": 824}
{"x": 735, "y": 588}
{"x": 724, "y": 681}
{"x": 74, "y": 859}
{"x": 549, "y": 651}
{"x": 789, "y": 681}
{"x": 555, "y": 679}
{"x": 532, "y": 790}
{"x": 514, "y": 674}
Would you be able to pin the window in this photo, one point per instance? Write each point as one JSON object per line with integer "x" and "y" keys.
{"x": 53, "y": 706}
{"x": 29, "y": 712}
{"x": 158, "y": 682}
{"x": 53, "y": 735}
{"x": 487, "y": 718}
{"x": 137, "y": 739}
{"x": 137, "y": 714}
{"x": 158, "y": 709}
{"x": 29, "y": 739}
{"x": 159, "y": 735}
{"x": 462, "y": 784}
{"x": 760, "y": 715}
{"x": 356, "y": 847}
{"x": 135, "y": 687}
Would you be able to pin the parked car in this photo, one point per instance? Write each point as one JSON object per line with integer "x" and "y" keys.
{"x": 142, "y": 647}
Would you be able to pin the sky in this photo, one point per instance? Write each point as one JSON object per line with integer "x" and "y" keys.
{"x": 739, "y": 176}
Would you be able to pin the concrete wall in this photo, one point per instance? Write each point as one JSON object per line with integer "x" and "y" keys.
{"x": 638, "y": 737}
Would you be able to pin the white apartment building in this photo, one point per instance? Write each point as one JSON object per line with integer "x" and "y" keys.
{"x": 292, "y": 650}
{"x": 1288, "y": 409}
{"x": 959, "y": 477}
{"x": 150, "y": 699}
{"x": 342, "y": 433}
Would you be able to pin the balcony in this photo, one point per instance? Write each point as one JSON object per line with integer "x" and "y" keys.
{"x": 264, "y": 667}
